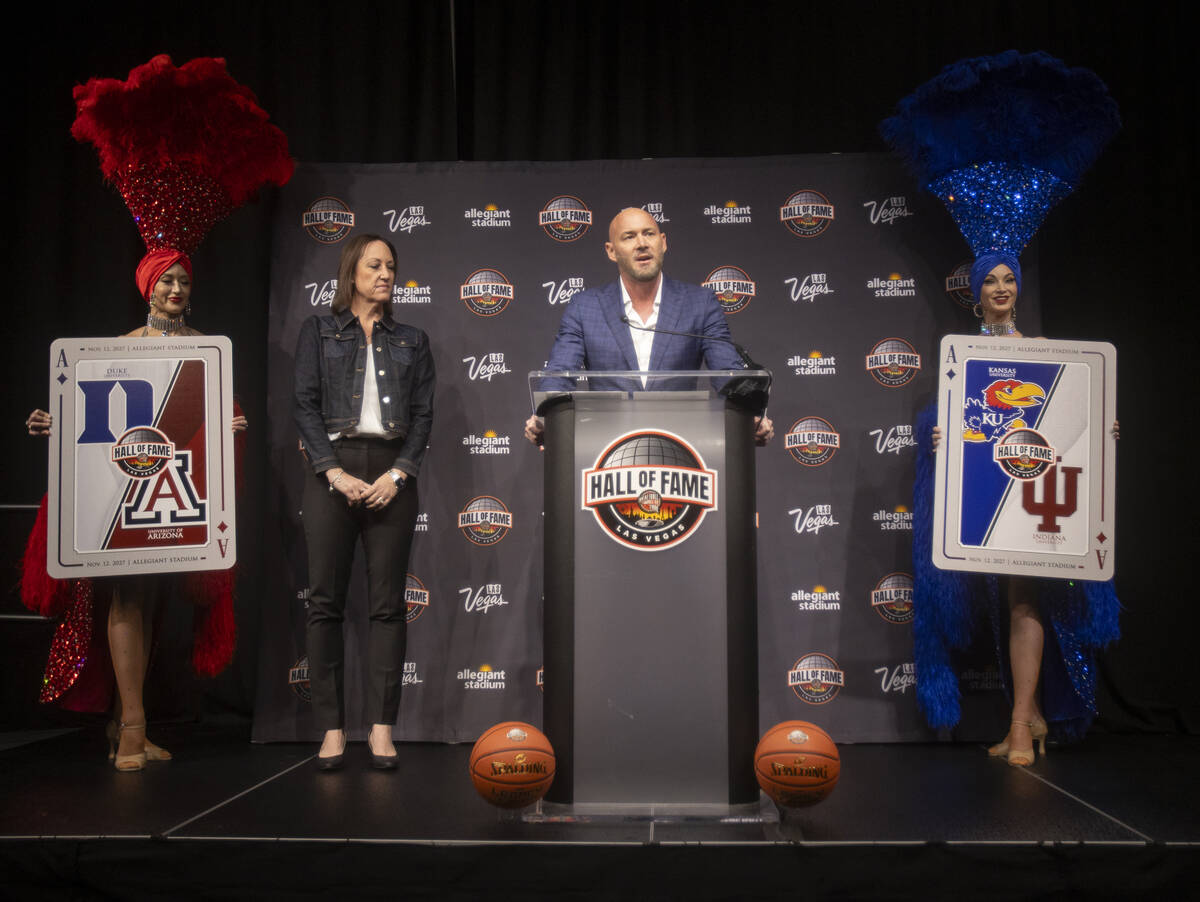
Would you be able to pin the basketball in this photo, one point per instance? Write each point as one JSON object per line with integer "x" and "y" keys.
{"x": 512, "y": 764}
{"x": 797, "y": 763}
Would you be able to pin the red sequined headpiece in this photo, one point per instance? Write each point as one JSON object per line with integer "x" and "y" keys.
{"x": 185, "y": 146}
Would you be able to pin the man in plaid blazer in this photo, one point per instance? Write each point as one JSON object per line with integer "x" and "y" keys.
{"x": 599, "y": 328}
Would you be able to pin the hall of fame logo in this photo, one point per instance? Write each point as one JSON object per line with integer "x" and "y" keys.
{"x": 733, "y": 288}
{"x": 327, "y": 220}
{"x": 142, "y": 451}
{"x": 892, "y": 598}
{"x": 487, "y": 292}
{"x": 1024, "y": 454}
{"x": 812, "y": 441}
{"x": 649, "y": 490}
{"x": 806, "y": 213}
{"x": 958, "y": 285}
{"x": 416, "y": 598}
{"x": 298, "y": 679}
{"x": 565, "y": 218}
{"x": 485, "y": 520}
{"x": 893, "y": 362}
{"x": 816, "y": 678}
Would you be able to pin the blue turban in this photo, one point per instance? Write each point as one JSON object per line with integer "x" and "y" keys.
{"x": 985, "y": 263}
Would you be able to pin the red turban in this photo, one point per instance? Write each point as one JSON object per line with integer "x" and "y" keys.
{"x": 154, "y": 264}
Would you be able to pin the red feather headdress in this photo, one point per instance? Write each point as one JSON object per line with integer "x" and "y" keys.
{"x": 185, "y": 146}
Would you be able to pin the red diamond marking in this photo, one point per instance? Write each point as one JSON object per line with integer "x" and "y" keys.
{"x": 1102, "y": 538}
{"x": 221, "y": 526}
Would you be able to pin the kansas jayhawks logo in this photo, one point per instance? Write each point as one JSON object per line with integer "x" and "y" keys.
{"x": 1004, "y": 406}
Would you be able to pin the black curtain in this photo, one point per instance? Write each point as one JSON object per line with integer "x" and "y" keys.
{"x": 376, "y": 82}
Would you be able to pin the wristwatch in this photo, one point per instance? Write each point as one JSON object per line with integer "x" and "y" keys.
{"x": 397, "y": 477}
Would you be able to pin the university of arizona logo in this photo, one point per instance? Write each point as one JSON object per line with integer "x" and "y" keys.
{"x": 1002, "y": 407}
{"x": 163, "y": 493}
{"x": 649, "y": 490}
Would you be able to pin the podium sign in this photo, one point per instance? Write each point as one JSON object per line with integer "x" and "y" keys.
{"x": 141, "y": 456}
{"x": 650, "y": 615}
{"x": 1026, "y": 474}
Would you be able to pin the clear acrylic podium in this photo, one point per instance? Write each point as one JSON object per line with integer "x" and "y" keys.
{"x": 650, "y": 626}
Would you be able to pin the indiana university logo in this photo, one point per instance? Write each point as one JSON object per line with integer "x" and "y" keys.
{"x": 1049, "y": 508}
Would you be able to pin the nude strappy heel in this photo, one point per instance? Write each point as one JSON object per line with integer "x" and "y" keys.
{"x": 130, "y": 763}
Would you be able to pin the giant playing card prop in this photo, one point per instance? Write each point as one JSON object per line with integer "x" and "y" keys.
{"x": 1026, "y": 473}
{"x": 141, "y": 456}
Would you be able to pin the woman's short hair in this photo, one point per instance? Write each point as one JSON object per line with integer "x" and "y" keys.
{"x": 351, "y": 254}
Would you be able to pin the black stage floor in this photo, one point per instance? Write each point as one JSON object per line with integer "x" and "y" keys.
{"x": 1116, "y": 816}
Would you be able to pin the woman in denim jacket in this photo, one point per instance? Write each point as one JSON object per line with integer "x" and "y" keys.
{"x": 364, "y": 407}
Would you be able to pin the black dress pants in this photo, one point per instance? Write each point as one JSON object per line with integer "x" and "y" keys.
{"x": 331, "y": 528}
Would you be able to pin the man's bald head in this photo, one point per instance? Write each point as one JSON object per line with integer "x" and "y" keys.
{"x": 636, "y": 245}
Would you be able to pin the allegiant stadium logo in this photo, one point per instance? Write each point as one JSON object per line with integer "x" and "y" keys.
{"x": 327, "y": 220}
{"x": 733, "y": 288}
{"x": 806, "y": 213}
{"x": 649, "y": 490}
{"x": 565, "y": 218}
{"x": 485, "y": 520}
{"x": 487, "y": 292}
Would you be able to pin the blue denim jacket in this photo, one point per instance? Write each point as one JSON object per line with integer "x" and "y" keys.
{"x": 331, "y": 358}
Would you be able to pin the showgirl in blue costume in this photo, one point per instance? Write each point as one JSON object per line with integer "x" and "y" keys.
{"x": 1000, "y": 140}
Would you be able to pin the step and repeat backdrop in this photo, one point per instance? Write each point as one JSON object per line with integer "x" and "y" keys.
{"x": 833, "y": 271}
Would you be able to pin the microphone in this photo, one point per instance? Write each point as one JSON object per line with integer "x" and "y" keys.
{"x": 748, "y": 391}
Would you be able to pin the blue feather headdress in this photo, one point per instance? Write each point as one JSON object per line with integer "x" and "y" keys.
{"x": 1001, "y": 140}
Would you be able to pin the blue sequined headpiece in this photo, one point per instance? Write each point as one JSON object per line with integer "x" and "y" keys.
{"x": 1001, "y": 140}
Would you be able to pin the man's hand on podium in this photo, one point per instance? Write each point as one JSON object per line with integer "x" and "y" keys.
{"x": 535, "y": 426}
{"x": 764, "y": 430}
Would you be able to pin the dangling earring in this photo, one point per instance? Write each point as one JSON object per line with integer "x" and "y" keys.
{"x": 977, "y": 309}
{"x": 187, "y": 311}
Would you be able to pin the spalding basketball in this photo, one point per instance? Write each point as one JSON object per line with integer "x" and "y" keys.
{"x": 512, "y": 764}
{"x": 797, "y": 763}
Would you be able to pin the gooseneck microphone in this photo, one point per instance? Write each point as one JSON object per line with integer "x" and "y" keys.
{"x": 750, "y": 391}
{"x": 746, "y": 361}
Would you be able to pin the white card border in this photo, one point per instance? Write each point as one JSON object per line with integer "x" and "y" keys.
{"x": 948, "y": 553}
{"x": 220, "y": 552}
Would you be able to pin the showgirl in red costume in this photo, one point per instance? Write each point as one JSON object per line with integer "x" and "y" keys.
{"x": 185, "y": 147}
